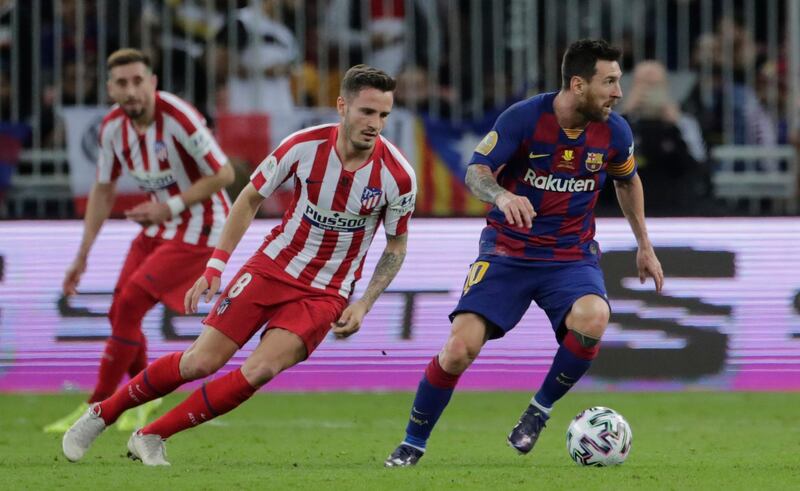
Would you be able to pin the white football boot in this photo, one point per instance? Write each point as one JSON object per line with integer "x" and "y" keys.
{"x": 81, "y": 434}
{"x": 150, "y": 449}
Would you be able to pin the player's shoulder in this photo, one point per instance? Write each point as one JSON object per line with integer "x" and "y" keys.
{"x": 619, "y": 127}
{"x": 310, "y": 134}
{"x": 183, "y": 112}
{"x": 395, "y": 157}
{"x": 527, "y": 111}
{"x": 111, "y": 121}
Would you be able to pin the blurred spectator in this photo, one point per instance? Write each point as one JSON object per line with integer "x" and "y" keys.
{"x": 414, "y": 92}
{"x": 670, "y": 151}
{"x": 266, "y": 53}
{"x": 375, "y": 32}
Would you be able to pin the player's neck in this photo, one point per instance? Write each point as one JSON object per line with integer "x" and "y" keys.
{"x": 567, "y": 116}
{"x": 144, "y": 121}
{"x": 351, "y": 157}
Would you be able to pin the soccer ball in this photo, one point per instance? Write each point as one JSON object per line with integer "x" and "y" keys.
{"x": 600, "y": 437}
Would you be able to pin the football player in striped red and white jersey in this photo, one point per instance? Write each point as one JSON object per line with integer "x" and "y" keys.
{"x": 347, "y": 179}
{"x": 163, "y": 143}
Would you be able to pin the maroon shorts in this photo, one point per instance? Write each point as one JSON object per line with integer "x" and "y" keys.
{"x": 262, "y": 293}
{"x": 165, "y": 269}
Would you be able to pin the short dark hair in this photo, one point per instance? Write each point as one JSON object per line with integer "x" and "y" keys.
{"x": 126, "y": 56}
{"x": 364, "y": 76}
{"x": 581, "y": 59}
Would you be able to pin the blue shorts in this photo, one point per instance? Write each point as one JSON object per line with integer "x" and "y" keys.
{"x": 501, "y": 290}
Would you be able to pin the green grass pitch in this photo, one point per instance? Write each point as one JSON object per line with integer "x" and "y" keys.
{"x": 694, "y": 440}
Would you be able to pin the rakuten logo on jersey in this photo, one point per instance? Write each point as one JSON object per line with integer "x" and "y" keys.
{"x": 558, "y": 184}
{"x": 335, "y": 221}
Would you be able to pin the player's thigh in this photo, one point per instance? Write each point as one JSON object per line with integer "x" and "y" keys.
{"x": 278, "y": 350}
{"x": 141, "y": 247}
{"x": 170, "y": 270}
{"x": 207, "y": 354}
{"x": 498, "y": 293}
{"x": 244, "y": 306}
{"x": 309, "y": 317}
{"x": 562, "y": 285}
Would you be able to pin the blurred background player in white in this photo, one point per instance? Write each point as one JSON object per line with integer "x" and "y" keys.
{"x": 347, "y": 179}
{"x": 163, "y": 143}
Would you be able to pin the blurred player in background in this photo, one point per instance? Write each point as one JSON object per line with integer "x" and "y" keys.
{"x": 546, "y": 158}
{"x": 347, "y": 179}
{"x": 163, "y": 143}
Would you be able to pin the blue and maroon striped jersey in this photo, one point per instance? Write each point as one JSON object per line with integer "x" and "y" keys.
{"x": 560, "y": 171}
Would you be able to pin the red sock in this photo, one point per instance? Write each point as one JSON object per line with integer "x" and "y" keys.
{"x": 437, "y": 377}
{"x": 160, "y": 378}
{"x": 211, "y": 400}
{"x": 117, "y": 357}
{"x": 140, "y": 362}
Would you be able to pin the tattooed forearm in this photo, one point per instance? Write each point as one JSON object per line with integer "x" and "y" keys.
{"x": 385, "y": 271}
{"x": 482, "y": 183}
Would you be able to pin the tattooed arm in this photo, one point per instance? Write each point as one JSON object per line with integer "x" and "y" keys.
{"x": 518, "y": 209}
{"x": 385, "y": 271}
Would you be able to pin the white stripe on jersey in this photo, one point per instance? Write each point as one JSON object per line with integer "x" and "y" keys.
{"x": 314, "y": 240}
{"x": 178, "y": 150}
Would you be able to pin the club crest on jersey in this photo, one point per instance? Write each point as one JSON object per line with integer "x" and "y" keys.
{"x": 371, "y": 197}
{"x": 594, "y": 161}
{"x": 161, "y": 150}
{"x": 567, "y": 160}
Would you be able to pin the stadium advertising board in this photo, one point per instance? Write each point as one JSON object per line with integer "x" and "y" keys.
{"x": 729, "y": 317}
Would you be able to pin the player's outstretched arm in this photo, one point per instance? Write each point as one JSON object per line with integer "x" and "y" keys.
{"x": 385, "y": 271}
{"x": 518, "y": 209}
{"x": 630, "y": 196}
{"x": 98, "y": 208}
{"x": 242, "y": 213}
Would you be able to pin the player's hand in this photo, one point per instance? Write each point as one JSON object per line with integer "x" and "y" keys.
{"x": 149, "y": 213}
{"x": 648, "y": 265}
{"x": 518, "y": 209}
{"x": 73, "y": 276}
{"x": 192, "y": 297}
{"x": 350, "y": 321}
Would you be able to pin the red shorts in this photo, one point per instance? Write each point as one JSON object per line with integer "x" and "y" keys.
{"x": 165, "y": 269}
{"x": 262, "y": 293}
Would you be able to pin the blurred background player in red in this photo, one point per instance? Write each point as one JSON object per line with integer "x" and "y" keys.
{"x": 542, "y": 167}
{"x": 163, "y": 143}
{"x": 347, "y": 180}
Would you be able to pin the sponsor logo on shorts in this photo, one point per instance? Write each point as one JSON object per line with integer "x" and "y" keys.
{"x": 335, "y": 221}
{"x": 223, "y": 305}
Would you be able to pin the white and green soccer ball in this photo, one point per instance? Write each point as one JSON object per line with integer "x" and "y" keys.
{"x": 599, "y": 436}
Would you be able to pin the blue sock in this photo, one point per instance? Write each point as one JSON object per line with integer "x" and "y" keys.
{"x": 429, "y": 403}
{"x": 565, "y": 372}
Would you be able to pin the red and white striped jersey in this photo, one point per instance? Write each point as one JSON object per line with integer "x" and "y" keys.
{"x": 176, "y": 150}
{"x": 334, "y": 214}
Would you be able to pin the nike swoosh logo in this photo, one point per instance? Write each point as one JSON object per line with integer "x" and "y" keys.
{"x": 538, "y": 155}
{"x": 311, "y": 181}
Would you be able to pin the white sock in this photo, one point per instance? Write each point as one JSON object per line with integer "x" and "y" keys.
{"x": 545, "y": 410}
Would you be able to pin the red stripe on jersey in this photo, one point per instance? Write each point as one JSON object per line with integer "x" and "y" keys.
{"x": 567, "y": 253}
{"x": 212, "y": 162}
{"x": 143, "y": 150}
{"x": 344, "y": 267}
{"x": 223, "y": 198}
{"x": 177, "y": 114}
{"x": 163, "y": 164}
{"x": 193, "y": 172}
{"x": 402, "y": 224}
{"x": 111, "y": 116}
{"x": 126, "y": 149}
{"x": 258, "y": 181}
{"x": 116, "y": 168}
{"x": 547, "y": 129}
{"x": 508, "y": 246}
{"x": 331, "y": 238}
{"x": 312, "y": 189}
{"x": 300, "y": 137}
{"x": 286, "y": 216}
{"x": 400, "y": 175}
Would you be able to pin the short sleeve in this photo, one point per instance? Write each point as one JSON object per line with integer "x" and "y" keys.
{"x": 506, "y": 136}
{"x": 109, "y": 167}
{"x": 622, "y": 164}
{"x": 272, "y": 172}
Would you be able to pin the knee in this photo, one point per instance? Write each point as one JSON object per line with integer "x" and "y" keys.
{"x": 460, "y": 351}
{"x": 197, "y": 364}
{"x": 258, "y": 374}
{"x": 129, "y": 305}
{"x": 589, "y": 316}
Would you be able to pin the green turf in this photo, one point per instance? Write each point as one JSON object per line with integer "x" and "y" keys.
{"x": 704, "y": 441}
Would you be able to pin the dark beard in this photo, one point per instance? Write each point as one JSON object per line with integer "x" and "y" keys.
{"x": 591, "y": 114}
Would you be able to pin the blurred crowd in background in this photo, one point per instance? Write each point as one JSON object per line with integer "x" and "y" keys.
{"x": 699, "y": 75}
